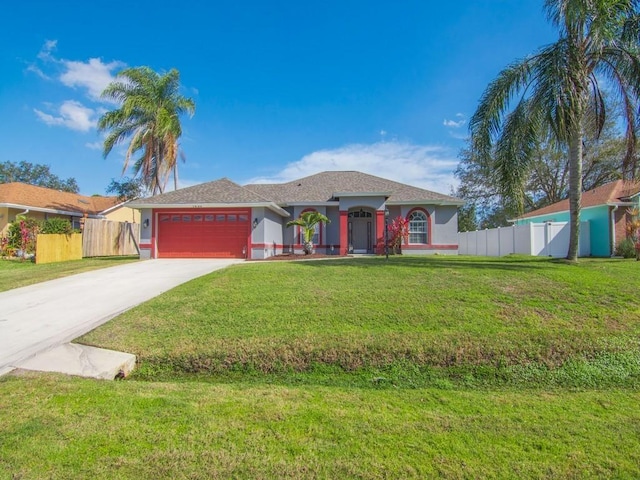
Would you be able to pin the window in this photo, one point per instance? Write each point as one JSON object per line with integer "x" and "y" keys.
{"x": 418, "y": 227}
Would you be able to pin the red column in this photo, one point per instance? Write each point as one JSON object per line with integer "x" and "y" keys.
{"x": 344, "y": 238}
{"x": 379, "y": 232}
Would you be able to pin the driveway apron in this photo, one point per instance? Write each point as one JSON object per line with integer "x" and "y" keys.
{"x": 42, "y": 316}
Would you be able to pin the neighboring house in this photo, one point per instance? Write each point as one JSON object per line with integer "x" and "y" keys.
{"x": 224, "y": 219}
{"x": 43, "y": 203}
{"x": 606, "y": 208}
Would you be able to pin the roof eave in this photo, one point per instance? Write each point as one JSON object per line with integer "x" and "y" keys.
{"x": 456, "y": 203}
{"x": 45, "y": 210}
{"x": 270, "y": 205}
{"x": 362, "y": 194}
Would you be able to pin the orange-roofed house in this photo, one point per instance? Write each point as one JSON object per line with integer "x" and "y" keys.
{"x": 606, "y": 208}
{"x": 42, "y": 203}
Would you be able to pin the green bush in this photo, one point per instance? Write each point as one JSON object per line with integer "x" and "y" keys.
{"x": 57, "y": 225}
{"x": 626, "y": 249}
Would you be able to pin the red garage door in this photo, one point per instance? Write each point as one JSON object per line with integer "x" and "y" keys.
{"x": 197, "y": 234}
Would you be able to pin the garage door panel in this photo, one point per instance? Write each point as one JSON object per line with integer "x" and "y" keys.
{"x": 218, "y": 234}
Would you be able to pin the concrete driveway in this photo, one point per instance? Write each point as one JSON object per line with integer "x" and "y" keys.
{"x": 42, "y": 316}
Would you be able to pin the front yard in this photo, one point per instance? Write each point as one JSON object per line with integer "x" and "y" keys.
{"x": 17, "y": 273}
{"x": 452, "y": 367}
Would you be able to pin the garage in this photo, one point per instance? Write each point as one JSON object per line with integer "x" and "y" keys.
{"x": 203, "y": 234}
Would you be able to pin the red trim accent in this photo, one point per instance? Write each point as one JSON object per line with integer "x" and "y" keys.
{"x": 428, "y": 226}
{"x": 343, "y": 232}
{"x": 380, "y": 231}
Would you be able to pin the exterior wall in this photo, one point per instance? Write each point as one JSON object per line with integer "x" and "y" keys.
{"x": 124, "y": 214}
{"x": 292, "y": 237}
{"x": 267, "y": 237}
{"x": 8, "y": 215}
{"x": 4, "y": 220}
{"x": 442, "y": 229}
{"x": 445, "y": 225}
{"x": 147, "y": 237}
{"x": 599, "y": 226}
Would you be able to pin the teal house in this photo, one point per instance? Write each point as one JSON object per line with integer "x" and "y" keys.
{"x": 606, "y": 208}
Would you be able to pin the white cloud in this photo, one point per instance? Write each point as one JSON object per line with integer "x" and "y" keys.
{"x": 93, "y": 75}
{"x": 71, "y": 114}
{"x": 94, "y": 145}
{"x": 424, "y": 166}
{"x": 460, "y": 122}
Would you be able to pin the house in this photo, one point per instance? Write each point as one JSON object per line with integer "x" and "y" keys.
{"x": 606, "y": 208}
{"x": 42, "y": 203}
{"x": 224, "y": 219}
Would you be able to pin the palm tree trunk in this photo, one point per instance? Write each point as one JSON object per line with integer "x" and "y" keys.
{"x": 575, "y": 191}
{"x": 175, "y": 176}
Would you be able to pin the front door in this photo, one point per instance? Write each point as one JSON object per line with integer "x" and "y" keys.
{"x": 360, "y": 231}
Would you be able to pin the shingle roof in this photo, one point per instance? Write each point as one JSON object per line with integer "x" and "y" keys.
{"x": 216, "y": 192}
{"x": 22, "y": 194}
{"x": 613, "y": 192}
{"x": 321, "y": 187}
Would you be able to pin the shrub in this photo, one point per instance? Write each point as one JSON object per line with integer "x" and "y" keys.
{"x": 22, "y": 234}
{"x": 57, "y": 225}
{"x": 626, "y": 248}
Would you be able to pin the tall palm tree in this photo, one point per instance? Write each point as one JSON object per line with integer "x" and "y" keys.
{"x": 149, "y": 114}
{"x": 556, "y": 90}
{"x": 307, "y": 221}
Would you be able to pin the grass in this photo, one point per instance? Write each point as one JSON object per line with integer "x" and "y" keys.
{"x": 419, "y": 367}
{"x": 129, "y": 430}
{"x": 414, "y": 320}
{"x": 16, "y": 273}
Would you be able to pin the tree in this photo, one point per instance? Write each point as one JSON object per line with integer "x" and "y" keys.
{"x": 553, "y": 92}
{"x": 127, "y": 188}
{"x": 307, "y": 221}
{"x": 149, "y": 115}
{"x": 547, "y": 177}
{"x": 36, "y": 174}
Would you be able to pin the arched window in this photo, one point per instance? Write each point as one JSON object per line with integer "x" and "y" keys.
{"x": 418, "y": 227}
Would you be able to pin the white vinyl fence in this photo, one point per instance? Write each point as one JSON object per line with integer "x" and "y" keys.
{"x": 540, "y": 239}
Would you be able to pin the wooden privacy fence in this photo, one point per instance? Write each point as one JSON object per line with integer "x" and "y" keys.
{"x": 102, "y": 238}
{"x": 58, "y": 247}
{"x": 549, "y": 239}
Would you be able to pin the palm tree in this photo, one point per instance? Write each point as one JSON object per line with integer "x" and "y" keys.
{"x": 307, "y": 221}
{"x": 150, "y": 107}
{"x": 556, "y": 90}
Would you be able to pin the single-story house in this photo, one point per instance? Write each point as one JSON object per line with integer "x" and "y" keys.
{"x": 224, "y": 219}
{"x": 42, "y": 203}
{"x": 606, "y": 208}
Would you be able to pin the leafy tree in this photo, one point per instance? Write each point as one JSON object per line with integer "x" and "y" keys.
{"x": 307, "y": 221}
{"x": 467, "y": 221}
{"x": 149, "y": 115}
{"x": 553, "y": 92}
{"x": 35, "y": 174}
{"x": 127, "y": 188}
{"x": 547, "y": 177}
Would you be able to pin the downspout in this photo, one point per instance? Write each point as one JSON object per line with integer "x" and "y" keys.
{"x": 23, "y": 213}
{"x": 613, "y": 230}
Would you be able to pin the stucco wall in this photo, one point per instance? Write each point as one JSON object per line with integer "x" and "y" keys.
{"x": 445, "y": 225}
{"x": 124, "y": 214}
{"x": 267, "y": 236}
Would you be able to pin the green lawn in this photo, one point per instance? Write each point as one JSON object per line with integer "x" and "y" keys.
{"x": 471, "y": 319}
{"x": 16, "y": 273}
{"x": 419, "y": 367}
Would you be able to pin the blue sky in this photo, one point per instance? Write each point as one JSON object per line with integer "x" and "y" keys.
{"x": 283, "y": 89}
